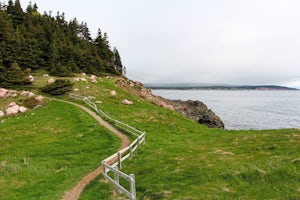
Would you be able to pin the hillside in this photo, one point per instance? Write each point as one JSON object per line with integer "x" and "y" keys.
{"x": 180, "y": 159}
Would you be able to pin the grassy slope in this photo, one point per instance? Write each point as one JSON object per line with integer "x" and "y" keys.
{"x": 184, "y": 160}
{"x": 45, "y": 151}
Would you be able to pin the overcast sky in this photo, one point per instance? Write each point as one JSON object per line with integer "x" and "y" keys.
{"x": 202, "y": 41}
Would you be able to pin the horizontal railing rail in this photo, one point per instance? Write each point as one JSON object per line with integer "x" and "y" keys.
{"x": 113, "y": 163}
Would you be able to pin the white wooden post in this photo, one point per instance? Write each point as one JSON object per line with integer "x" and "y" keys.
{"x": 130, "y": 151}
{"x": 104, "y": 169}
{"x": 116, "y": 176}
{"x": 119, "y": 160}
{"x": 132, "y": 187}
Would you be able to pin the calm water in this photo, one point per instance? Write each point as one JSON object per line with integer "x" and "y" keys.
{"x": 246, "y": 109}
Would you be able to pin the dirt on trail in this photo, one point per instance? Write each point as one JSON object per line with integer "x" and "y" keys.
{"x": 75, "y": 192}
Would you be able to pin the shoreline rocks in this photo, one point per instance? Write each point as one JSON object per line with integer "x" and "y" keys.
{"x": 194, "y": 110}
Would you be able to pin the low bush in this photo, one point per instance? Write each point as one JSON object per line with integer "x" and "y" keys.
{"x": 59, "y": 87}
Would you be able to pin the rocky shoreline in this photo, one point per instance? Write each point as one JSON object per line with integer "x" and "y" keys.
{"x": 194, "y": 110}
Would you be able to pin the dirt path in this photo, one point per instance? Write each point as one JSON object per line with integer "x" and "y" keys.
{"x": 75, "y": 192}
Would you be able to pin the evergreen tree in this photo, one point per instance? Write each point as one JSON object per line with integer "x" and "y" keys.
{"x": 31, "y": 40}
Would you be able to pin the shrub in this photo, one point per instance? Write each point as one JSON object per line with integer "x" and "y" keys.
{"x": 59, "y": 87}
{"x": 31, "y": 103}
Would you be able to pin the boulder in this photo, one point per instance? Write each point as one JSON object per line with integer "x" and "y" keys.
{"x": 30, "y": 77}
{"x": 22, "y": 109}
{"x": 93, "y": 78}
{"x": 24, "y": 93}
{"x": 127, "y": 102}
{"x": 3, "y": 92}
{"x": 11, "y": 93}
{"x": 165, "y": 105}
{"x": 45, "y": 75}
{"x": 2, "y": 114}
{"x": 94, "y": 81}
{"x": 91, "y": 97}
{"x": 11, "y": 104}
{"x": 51, "y": 80}
{"x": 76, "y": 79}
{"x": 83, "y": 79}
{"x": 30, "y": 94}
{"x": 113, "y": 93}
{"x": 76, "y": 89}
{"x": 83, "y": 74}
{"x": 13, "y": 110}
{"x": 39, "y": 98}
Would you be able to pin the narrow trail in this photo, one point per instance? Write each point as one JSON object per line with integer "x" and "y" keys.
{"x": 74, "y": 193}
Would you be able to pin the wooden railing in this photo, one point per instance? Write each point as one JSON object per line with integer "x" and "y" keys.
{"x": 119, "y": 156}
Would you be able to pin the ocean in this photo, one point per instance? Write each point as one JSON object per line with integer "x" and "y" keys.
{"x": 246, "y": 109}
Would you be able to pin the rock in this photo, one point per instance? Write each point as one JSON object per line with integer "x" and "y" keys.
{"x": 30, "y": 94}
{"x": 98, "y": 102}
{"x": 3, "y": 92}
{"x": 24, "y": 93}
{"x": 93, "y": 78}
{"x": 91, "y": 97}
{"x": 22, "y": 109}
{"x": 13, "y": 110}
{"x": 113, "y": 93}
{"x": 83, "y": 79}
{"x": 45, "y": 75}
{"x": 83, "y": 74}
{"x": 167, "y": 106}
{"x": 11, "y": 93}
{"x": 76, "y": 79}
{"x": 2, "y": 114}
{"x": 198, "y": 112}
{"x": 127, "y": 102}
{"x": 39, "y": 98}
{"x": 11, "y": 104}
{"x": 76, "y": 89}
{"x": 51, "y": 80}
{"x": 30, "y": 77}
{"x": 194, "y": 110}
{"x": 94, "y": 81}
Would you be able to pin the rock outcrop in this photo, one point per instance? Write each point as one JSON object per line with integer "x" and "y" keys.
{"x": 198, "y": 112}
{"x": 194, "y": 110}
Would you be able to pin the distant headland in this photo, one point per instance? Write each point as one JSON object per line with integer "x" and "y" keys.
{"x": 191, "y": 86}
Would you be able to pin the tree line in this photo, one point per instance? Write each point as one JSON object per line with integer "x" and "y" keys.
{"x": 30, "y": 40}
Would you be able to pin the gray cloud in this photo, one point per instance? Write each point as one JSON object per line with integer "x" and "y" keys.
{"x": 219, "y": 41}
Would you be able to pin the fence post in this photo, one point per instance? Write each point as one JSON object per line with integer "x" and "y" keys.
{"x": 104, "y": 169}
{"x": 119, "y": 160}
{"x": 130, "y": 151}
{"x": 132, "y": 187}
{"x": 116, "y": 176}
{"x": 138, "y": 143}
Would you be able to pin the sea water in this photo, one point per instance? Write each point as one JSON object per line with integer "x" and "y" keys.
{"x": 246, "y": 109}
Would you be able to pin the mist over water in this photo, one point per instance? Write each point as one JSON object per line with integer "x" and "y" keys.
{"x": 246, "y": 109}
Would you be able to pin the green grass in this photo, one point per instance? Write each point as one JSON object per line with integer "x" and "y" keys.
{"x": 45, "y": 151}
{"x": 180, "y": 159}
{"x": 185, "y": 160}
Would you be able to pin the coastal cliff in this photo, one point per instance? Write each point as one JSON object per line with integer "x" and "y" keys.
{"x": 195, "y": 110}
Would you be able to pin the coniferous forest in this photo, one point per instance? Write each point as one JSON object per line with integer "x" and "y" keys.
{"x": 30, "y": 40}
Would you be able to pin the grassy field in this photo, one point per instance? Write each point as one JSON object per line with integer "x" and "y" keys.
{"x": 45, "y": 151}
{"x": 185, "y": 160}
{"x": 180, "y": 160}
